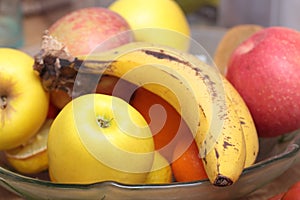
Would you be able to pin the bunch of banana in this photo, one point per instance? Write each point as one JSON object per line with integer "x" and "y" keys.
{"x": 215, "y": 113}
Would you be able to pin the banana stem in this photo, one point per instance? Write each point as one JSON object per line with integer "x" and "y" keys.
{"x": 58, "y": 69}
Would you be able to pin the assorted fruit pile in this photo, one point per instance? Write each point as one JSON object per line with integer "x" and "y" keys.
{"x": 112, "y": 96}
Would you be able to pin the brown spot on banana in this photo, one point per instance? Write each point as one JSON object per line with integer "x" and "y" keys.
{"x": 204, "y": 161}
{"x": 226, "y": 144}
{"x": 217, "y": 153}
{"x": 162, "y": 55}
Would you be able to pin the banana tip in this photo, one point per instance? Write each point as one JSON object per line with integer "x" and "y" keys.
{"x": 222, "y": 181}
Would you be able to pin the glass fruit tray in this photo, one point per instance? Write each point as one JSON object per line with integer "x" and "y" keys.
{"x": 275, "y": 157}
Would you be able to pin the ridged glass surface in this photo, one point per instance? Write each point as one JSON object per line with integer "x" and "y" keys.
{"x": 276, "y": 156}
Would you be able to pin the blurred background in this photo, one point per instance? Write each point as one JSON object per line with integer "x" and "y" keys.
{"x": 213, "y": 12}
{"x": 208, "y": 18}
{"x": 23, "y": 22}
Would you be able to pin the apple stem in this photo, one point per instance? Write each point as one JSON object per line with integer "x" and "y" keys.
{"x": 104, "y": 123}
{"x": 3, "y": 102}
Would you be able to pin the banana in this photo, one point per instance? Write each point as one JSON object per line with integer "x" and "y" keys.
{"x": 193, "y": 88}
{"x": 247, "y": 123}
{"x": 236, "y": 108}
{"x": 223, "y": 151}
{"x": 229, "y": 153}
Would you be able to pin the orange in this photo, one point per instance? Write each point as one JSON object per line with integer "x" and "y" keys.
{"x": 166, "y": 124}
{"x": 59, "y": 98}
{"x": 106, "y": 84}
{"x": 189, "y": 166}
{"x": 52, "y": 111}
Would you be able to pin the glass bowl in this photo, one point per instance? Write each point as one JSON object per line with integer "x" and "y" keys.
{"x": 275, "y": 157}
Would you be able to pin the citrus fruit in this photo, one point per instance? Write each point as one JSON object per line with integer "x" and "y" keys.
{"x": 59, "y": 98}
{"x": 52, "y": 111}
{"x": 188, "y": 166}
{"x": 156, "y": 17}
{"x": 167, "y": 126}
{"x": 161, "y": 171}
{"x": 31, "y": 157}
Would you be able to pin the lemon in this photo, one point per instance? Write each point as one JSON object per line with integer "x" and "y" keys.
{"x": 31, "y": 157}
{"x": 161, "y": 171}
{"x": 157, "y": 21}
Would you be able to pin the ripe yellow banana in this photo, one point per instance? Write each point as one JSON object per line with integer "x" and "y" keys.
{"x": 241, "y": 119}
{"x": 192, "y": 87}
{"x": 229, "y": 153}
{"x": 247, "y": 123}
{"x": 174, "y": 76}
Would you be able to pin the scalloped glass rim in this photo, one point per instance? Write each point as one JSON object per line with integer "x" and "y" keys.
{"x": 252, "y": 178}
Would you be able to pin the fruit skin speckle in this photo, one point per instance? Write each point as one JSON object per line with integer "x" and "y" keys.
{"x": 267, "y": 77}
{"x": 89, "y": 27}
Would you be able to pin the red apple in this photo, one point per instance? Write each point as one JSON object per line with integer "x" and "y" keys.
{"x": 84, "y": 29}
{"x": 265, "y": 69}
{"x": 293, "y": 192}
{"x": 277, "y": 197}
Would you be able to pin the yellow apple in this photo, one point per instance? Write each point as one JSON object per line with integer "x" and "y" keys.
{"x": 98, "y": 137}
{"x": 161, "y": 171}
{"x": 23, "y": 101}
{"x": 31, "y": 157}
{"x": 158, "y": 21}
